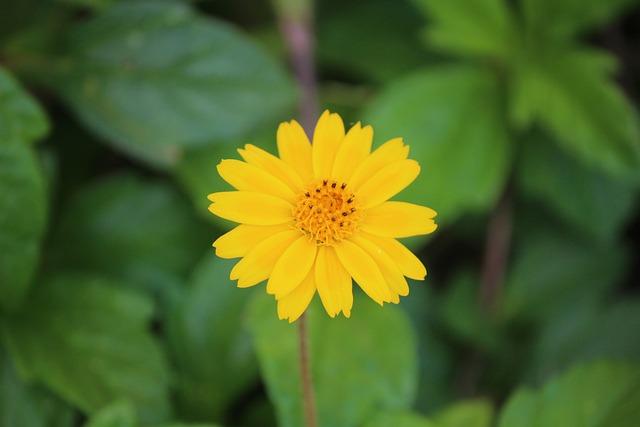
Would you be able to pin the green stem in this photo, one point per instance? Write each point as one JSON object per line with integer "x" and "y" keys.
{"x": 308, "y": 399}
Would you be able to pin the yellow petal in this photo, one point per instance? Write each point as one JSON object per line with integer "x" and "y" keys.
{"x": 389, "y": 152}
{"x": 270, "y": 163}
{"x": 387, "y": 182}
{"x": 364, "y": 271}
{"x": 409, "y": 264}
{"x": 399, "y": 219}
{"x": 247, "y": 177}
{"x": 292, "y": 306}
{"x": 294, "y": 148}
{"x": 292, "y": 267}
{"x": 333, "y": 282}
{"x": 249, "y": 207}
{"x": 239, "y": 241}
{"x": 389, "y": 269}
{"x": 327, "y": 137}
{"x": 355, "y": 147}
{"x": 258, "y": 264}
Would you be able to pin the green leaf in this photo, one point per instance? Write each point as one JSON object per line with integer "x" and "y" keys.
{"x": 586, "y": 331}
{"x": 23, "y": 207}
{"x": 400, "y": 419}
{"x": 588, "y": 199}
{"x": 377, "y": 45}
{"x": 23, "y": 405}
{"x": 153, "y": 77}
{"x": 428, "y": 109}
{"x": 552, "y": 267}
{"x": 131, "y": 229}
{"x": 470, "y": 27}
{"x": 88, "y": 340}
{"x": 22, "y": 220}
{"x": 587, "y": 395}
{"x": 21, "y": 117}
{"x": 572, "y": 96}
{"x": 563, "y": 19}
{"x": 472, "y": 413}
{"x": 208, "y": 320}
{"x": 119, "y": 414}
{"x": 359, "y": 365}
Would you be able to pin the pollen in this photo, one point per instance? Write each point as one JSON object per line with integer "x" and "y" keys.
{"x": 328, "y": 211}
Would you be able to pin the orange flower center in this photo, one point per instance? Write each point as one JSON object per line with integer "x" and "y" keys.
{"x": 328, "y": 210}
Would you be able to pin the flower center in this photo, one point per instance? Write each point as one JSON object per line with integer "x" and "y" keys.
{"x": 328, "y": 211}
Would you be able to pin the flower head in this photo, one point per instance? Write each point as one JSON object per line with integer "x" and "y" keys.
{"x": 318, "y": 216}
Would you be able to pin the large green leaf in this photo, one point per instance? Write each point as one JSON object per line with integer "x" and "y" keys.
{"x": 211, "y": 349}
{"x": 472, "y": 413}
{"x": 88, "y": 340}
{"x": 452, "y": 118}
{"x": 590, "y": 200}
{"x": 119, "y": 414}
{"x": 470, "y": 27}
{"x": 552, "y": 18}
{"x": 23, "y": 405}
{"x": 570, "y": 93}
{"x": 153, "y": 77}
{"x": 360, "y": 365}
{"x": 22, "y": 204}
{"x": 552, "y": 267}
{"x": 586, "y": 396}
{"x": 136, "y": 230}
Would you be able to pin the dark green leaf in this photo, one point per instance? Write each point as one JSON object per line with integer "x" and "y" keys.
{"x": 585, "y": 331}
{"x": 88, "y": 340}
{"x": 21, "y": 118}
{"x": 552, "y": 266}
{"x": 369, "y": 45}
{"x": 590, "y": 200}
{"x": 572, "y": 96}
{"x": 470, "y": 27}
{"x": 452, "y": 118}
{"x": 587, "y": 395}
{"x": 212, "y": 351}
{"x": 360, "y": 365}
{"x": 134, "y": 230}
{"x": 551, "y": 18}
{"x": 23, "y": 204}
{"x": 153, "y": 77}
{"x": 23, "y": 405}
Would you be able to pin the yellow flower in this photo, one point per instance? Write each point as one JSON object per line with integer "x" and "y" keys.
{"x": 319, "y": 216}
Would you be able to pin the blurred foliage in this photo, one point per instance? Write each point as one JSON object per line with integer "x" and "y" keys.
{"x": 114, "y": 311}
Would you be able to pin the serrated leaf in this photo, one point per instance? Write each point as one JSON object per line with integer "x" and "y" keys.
{"x": 359, "y": 365}
{"x": 21, "y": 117}
{"x": 470, "y": 27}
{"x": 135, "y": 230}
{"x": 563, "y": 19}
{"x": 452, "y": 118}
{"x": 153, "y": 77}
{"x": 23, "y": 405}
{"x": 589, "y": 200}
{"x": 88, "y": 339}
{"x": 209, "y": 320}
{"x": 570, "y": 94}
{"x": 587, "y": 395}
{"x": 552, "y": 267}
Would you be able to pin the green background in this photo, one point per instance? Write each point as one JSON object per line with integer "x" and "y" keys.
{"x": 115, "y": 312}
